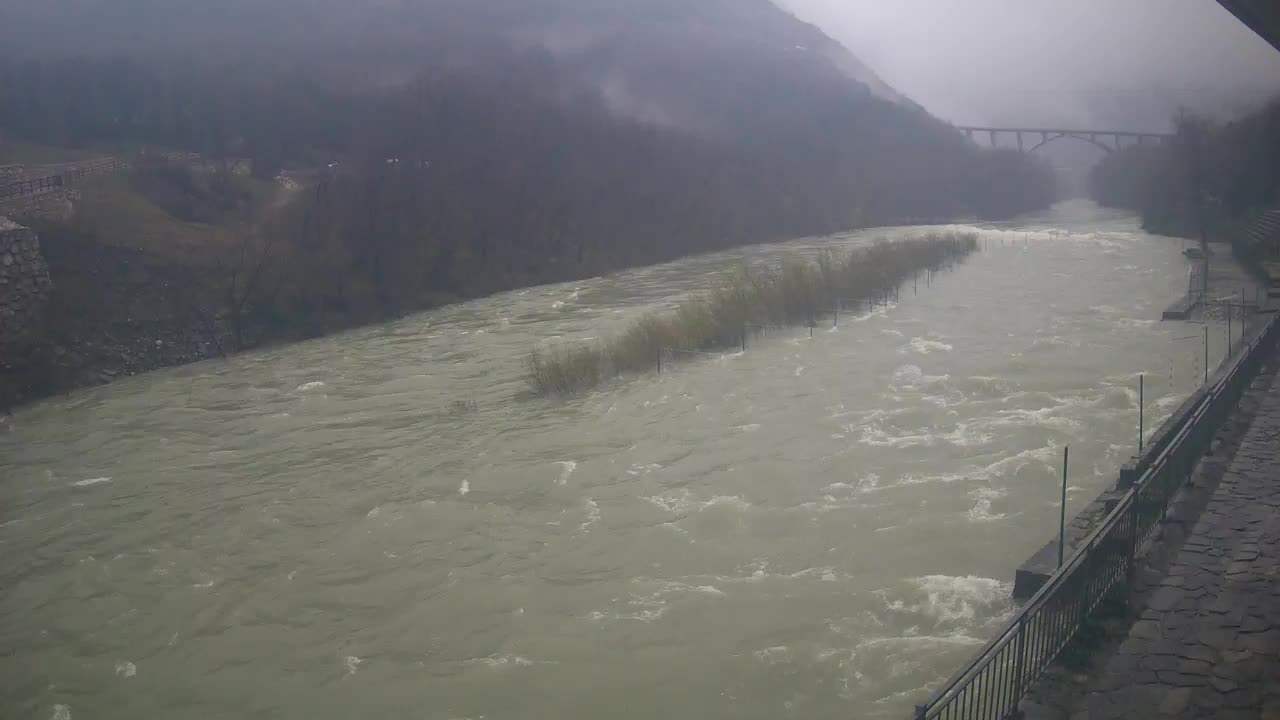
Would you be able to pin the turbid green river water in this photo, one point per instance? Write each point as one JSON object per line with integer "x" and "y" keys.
{"x": 817, "y": 528}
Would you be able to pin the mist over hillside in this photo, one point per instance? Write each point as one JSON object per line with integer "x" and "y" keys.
{"x": 450, "y": 149}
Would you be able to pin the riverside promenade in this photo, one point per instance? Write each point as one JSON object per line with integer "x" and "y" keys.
{"x": 1207, "y": 643}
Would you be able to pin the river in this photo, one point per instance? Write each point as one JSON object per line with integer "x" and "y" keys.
{"x": 817, "y": 528}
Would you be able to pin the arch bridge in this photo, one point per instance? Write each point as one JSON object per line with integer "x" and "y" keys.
{"x": 1032, "y": 139}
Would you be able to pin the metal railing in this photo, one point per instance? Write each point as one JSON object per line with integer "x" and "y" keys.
{"x": 49, "y": 183}
{"x": 992, "y": 684}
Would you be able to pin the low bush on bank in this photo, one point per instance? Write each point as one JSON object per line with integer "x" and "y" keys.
{"x": 794, "y": 292}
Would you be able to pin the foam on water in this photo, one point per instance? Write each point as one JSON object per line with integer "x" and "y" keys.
{"x": 126, "y": 669}
{"x": 1011, "y": 465}
{"x": 593, "y": 515}
{"x": 651, "y": 606}
{"x": 644, "y": 615}
{"x": 685, "y": 502}
{"x": 351, "y": 663}
{"x": 643, "y": 469}
{"x": 1053, "y": 417}
{"x": 566, "y": 469}
{"x": 502, "y": 662}
{"x": 991, "y": 386}
{"x": 910, "y": 377}
{"x": 924, "y": 346}
{"x": 910, "y": 479}
{"x": 877, "y": 437}
{"x": 950, "y": 600}
{"x": 981, "y": 510}
{"x": 966, "y": 435}
{"x": 760, "y": 572}
{"x": 775, "y": 655}
{"x": 91, "y": 481}
{"x": 465, "y": 488}
{"x": 949, "y": 639}
{"x": 306, "y": 387}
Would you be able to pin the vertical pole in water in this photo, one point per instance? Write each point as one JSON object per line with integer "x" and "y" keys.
{"x": 1206, "y": 353}
{"x": 744, "y": 338}
{"x": 835, "y": 316}
{"x": 1142, "y": 406}
{"x": 1062, "y": 518}
{"x": 1229, "y": 309}
{"x": 659, "y": 361}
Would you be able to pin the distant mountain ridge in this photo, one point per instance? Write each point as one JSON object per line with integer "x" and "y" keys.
{"x": 700, "y": 64}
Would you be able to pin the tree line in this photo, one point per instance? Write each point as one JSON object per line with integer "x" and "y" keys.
{"x": 1209, "y": 179}
{"x": 457, "y": 181}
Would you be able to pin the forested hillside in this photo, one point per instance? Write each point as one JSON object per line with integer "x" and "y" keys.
{"x": 450, "y": 149}
{"x": 1224, "y": 174}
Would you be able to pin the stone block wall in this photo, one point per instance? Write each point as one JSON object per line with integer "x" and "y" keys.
{"x": 58, "y": 204}
{"x": 24, "y": 288}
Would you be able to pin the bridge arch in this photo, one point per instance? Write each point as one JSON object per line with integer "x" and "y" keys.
{"x": 1083, "y": 138}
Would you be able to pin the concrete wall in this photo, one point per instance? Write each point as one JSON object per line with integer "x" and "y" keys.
{"x": 24, "y": 288}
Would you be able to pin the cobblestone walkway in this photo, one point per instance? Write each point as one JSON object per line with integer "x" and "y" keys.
{"x": 1208, "y": 643}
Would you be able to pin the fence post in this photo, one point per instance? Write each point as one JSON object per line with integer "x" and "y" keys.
{"x": 1020, "y": 660}
{"x": 1206, "y": 353}
{"x": 1062, "y": 518}
{"x": 920, "y": 712}
{"x": 1142, "y": 406}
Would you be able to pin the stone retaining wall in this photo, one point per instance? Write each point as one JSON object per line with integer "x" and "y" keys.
{"x": 24, "y": 288}
{"x": 57, "y": 204}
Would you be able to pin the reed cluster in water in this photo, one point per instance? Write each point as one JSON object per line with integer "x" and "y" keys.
{"x": 796, "y": 291}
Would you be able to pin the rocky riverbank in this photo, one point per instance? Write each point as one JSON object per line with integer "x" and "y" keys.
{"x": 98, "y": 314}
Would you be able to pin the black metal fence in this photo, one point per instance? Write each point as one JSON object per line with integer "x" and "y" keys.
{"x": 68, "y": 176}
{"x": 992, "y": 684}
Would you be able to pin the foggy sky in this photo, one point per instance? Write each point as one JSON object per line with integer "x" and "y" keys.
{"x": 1056, "y": 61}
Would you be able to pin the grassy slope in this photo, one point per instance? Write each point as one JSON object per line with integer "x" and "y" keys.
{"x": 117, "y": 216}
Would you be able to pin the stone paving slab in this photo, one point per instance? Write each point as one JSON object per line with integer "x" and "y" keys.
{"x": 1208, "y": 643}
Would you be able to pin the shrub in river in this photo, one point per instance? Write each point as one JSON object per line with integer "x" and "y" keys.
{"x": 564, "y": 370}
{"x": 795, "y": 291}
